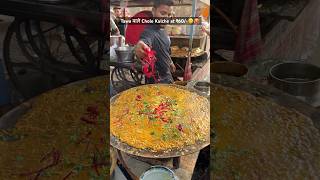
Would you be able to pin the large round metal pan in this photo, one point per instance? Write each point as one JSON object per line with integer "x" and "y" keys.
{"x": 116, "y": 143}
{"x": 269, "y": 93}
{"x": 9, "y": 119}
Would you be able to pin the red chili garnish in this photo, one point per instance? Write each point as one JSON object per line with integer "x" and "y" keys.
{"x": 93, "y": 110}
{"x": 94, "y": 164}
{"x": 160, "y": 110}
{"x": 91, "y": 116}
{"x": 86, "y": 120}
{"x": 165, "y": 119}
{"x": 139, "y": 97}
{"x": 55, "y": 154}
{"x": 102, "y": 140}
{"x": 86, "y": 137}
{"x": 68, "y": 175}
{"x": 179, "y": 126}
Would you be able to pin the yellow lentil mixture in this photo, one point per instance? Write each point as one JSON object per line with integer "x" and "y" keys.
{"x": 63, "y": 136}
{"x": 254, "y": 138}
{"x": 159, "y": 117}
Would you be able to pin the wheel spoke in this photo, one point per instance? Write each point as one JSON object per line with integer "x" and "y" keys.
{"x": 23, "y": 65}
{"x": 45, "y": 31}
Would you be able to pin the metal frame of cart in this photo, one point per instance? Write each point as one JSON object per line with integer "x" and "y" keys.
{"x": 35, "y": 21}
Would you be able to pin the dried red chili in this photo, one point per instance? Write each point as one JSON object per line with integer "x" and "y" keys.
{"x": 179, "y": 126}
{"x": 91, "y": 116}
{"x": 68, "y": 175}
{"x": 139, "y": 97}
{"x": 93, "y": 109}
{"x": 86, "y": 120}
{"x": 148, "y": 64}
{"x": 54, "y": 154}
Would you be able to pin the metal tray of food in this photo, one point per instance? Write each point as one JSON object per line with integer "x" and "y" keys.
{"x": 9, "y": 119}
{"x": 269, "y": 93}
{"x": 116, "y": 143}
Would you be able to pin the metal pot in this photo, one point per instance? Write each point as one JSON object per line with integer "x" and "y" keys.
{"x": 125, "y": 54}
{"x": 296, "y": 78}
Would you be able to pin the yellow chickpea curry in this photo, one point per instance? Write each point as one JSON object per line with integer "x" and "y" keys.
{"x": 254, "y": 138}
{"x": 62, "y": 136}
{"x": 159, "y": 117}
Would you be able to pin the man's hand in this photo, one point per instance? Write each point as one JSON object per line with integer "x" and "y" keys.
{"x": 117, "y": 33}
{"x": 140, "y": 49}
{"x": 172, "y": 67}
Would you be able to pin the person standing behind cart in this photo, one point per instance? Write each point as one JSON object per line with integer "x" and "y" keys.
{"x": 119, "y": 15}
{"x": 156, "y": 38}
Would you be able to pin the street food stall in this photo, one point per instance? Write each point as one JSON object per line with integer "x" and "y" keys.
{"x": 126, "y": 71}
{"x": 160, "y": 139}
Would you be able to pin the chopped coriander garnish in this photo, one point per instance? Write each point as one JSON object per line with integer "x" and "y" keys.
{"x": 19, "y": 158}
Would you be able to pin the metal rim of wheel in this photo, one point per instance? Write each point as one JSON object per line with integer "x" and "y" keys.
{"x": 30, "y": 47}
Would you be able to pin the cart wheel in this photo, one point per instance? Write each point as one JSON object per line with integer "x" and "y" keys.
{"x": 22, "y": 64}
{"x": 63, "y": 46}
{"x": 39, "y": 59}
{"x": 122, "y": 79}
{"x": 136, "y": 76}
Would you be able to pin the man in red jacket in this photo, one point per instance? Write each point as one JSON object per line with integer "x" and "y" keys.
{"x": 156, "y": 38}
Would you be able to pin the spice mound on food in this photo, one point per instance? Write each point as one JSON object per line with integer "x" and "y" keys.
{"x": 159, "y": 117}
{"x": 63, "y": 136}
{"x": 254, "y": 138}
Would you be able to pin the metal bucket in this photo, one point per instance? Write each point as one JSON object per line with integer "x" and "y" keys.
{"x": 158, "y": 173}
{"x": 298, "y": 79}
{"x": 125, "y": 54}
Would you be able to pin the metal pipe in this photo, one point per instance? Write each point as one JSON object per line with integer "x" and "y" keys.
{"x": 192, "y": 28}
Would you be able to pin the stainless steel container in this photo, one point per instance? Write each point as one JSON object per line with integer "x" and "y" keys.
{"x": 158, "y": 173}
{"x": 125, "y": 54}
{"x": 117, "y": 40}
{"x": 297, "y": 78}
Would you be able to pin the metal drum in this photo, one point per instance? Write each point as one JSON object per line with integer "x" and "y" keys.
{"x": 125, "y": 54}
{"x": 298, "y": 79}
